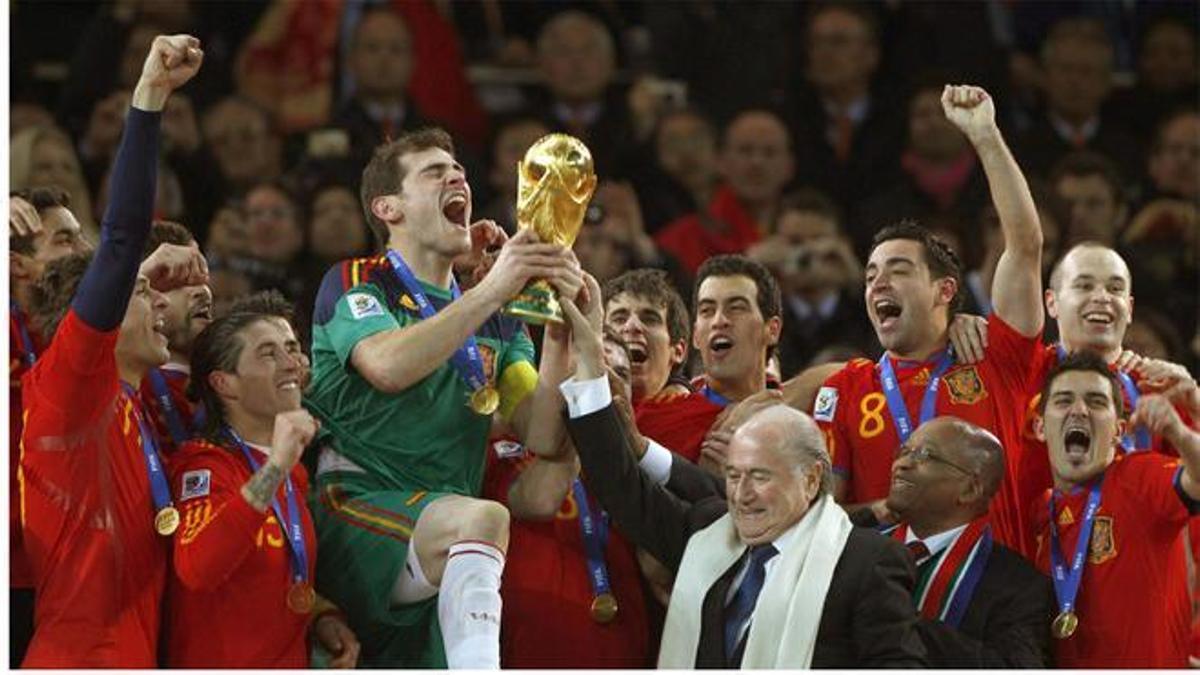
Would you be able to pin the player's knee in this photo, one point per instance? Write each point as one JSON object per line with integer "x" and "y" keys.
{"x": 484, "y": 519}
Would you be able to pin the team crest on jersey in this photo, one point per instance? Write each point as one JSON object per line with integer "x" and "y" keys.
{"x": 488, "y": 355}
{"x": 363, "y": 305}
{"x": 965, "y": 387}
{"x": 195, "y": 484}
{"x": 1103, "y": 546}
{"x": 826, "y": 404}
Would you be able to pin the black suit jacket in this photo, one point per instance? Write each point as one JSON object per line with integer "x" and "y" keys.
{"x": 1007, "y": 623}
{"x": 868, "y": 618}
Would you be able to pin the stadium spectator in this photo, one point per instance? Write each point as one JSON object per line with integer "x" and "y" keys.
{"x": 244, "y": 142}
{"x": 1077, "y": 57}
{"x": 1166, "y": 77}
{"x": 1092, "y": 188}
{"x": 848, "y": 138}
{"x": 821, "y": 281}
{"x": 577, "y": 60}
{"x": 755, "y": 162}
{"x": 683, "y": 175}
{"x": 512, "y": 137}
{"x": 45, "y": 157}
{"x": 939, "y": 173}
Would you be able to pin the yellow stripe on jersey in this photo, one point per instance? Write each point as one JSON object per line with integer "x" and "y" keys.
{"x": 516, "y": 382}
{"x": 388, "y": 525}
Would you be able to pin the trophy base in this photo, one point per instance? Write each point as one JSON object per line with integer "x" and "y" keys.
{"x": 536, "y": 304}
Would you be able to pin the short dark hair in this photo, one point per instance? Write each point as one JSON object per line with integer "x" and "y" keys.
{"x": 54, "y": 290}
{"x": 218, "y": 347}
{"x": 856, "y": 9}
{"x": 808, "y": 200}
{"x": 269, "y": 302}
{"x": 1086, "y": 361}
{"x": 41, "y": 199}
{"x": 1083, "y": 163}
{"x": 767, "y": 298}
{"x": 167, "y": 232}
{"x": 654, "y": 285}
{"x": 384, "y": 174}
{"x": 939, "y": 256}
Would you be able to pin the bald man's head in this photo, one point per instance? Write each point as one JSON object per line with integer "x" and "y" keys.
{"x": 945, "y": 474}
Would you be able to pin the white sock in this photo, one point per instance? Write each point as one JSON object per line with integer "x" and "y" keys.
{"x": 469, "y": 606}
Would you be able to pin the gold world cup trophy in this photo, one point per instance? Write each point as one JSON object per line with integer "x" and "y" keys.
{"x": 555, "y": 181}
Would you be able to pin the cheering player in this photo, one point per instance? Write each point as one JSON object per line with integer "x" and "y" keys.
{"x": 247, "y": 549}
{"x": 189, "y": 309}
{"x": 1108, "y": 533}
{"x": 407, "y": 375}
{"x": 96, "y": 503}
{"x": 41, "y": 229}
{"x": 913, "y": 283}
{"x": 1091, "y": 298}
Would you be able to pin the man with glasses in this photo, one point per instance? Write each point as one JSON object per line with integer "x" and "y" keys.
{"x": 980, "y": 604}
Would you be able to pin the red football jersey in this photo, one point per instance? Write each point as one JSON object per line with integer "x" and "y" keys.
{"x": 1133, "y": 600}
{"x": 98, "y": 564}
{"x": 231, "y": 567}
{"x": 176, "y": 381}
{"x": 678, "y": 422}
{"x": 1033, "y": 459}
{"x": 862, "y": 438}
{"x": 546, "y": 589}
{"x": 19, "y": 355}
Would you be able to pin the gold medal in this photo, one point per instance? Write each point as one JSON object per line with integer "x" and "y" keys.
{"x": 301, "y": 597}
{"x": 1064, "y": 625}
{"x": 485, "y": 400}
{"x": 604, "y": 608}
{"x": 166, "y": 521}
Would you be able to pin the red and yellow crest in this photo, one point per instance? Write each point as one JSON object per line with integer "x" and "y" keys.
{"x": 1103, "y": 546}
{"x": 965, "y": 386}
{"x": 488, "y": 356}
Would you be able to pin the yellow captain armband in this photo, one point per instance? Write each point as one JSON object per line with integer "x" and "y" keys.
{"x": 516, "y": 382}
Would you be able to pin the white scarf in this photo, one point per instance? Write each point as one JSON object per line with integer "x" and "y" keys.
{"x": 788, "y": 614}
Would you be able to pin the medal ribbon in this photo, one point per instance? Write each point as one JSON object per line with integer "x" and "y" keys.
{"x": 595, "y": 540}
{"x": 28, "y": 353}
{"x": 714, "y": 397}
{"x": 895, "y": 400}
{"x": 1135, "y": 439}
{"x": 160, "y": 491}
{"x": 466, "y": 359}
{"x": 956, "y": 574}
{"x": 1066, "y": 582}
{"x": 162, "y": 394}
{"x": 293, "y": 526}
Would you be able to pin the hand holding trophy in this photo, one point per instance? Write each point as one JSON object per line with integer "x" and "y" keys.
{"x": 555, "y": 181}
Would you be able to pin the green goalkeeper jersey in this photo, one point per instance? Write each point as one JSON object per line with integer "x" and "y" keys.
{"x": 425, "y": 437}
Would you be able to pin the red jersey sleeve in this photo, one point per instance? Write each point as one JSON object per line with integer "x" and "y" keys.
{"x": 75, "y": 381}
{"x": 1017, "y": 358}
{"x": 832, "y": 411}
{"x": 1159, "y": 493}
{"x": 219, "y": 525}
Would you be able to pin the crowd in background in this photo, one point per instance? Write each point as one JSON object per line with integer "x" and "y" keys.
{"x": 787, "y": 131}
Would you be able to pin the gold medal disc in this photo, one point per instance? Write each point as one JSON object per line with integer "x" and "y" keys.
{"x": 301, "y": 597}
{"x": 604, "y": 608}
{"x": 1064, "y": 625}
{"x": 166, "y": 521}
{"x": 485, "y": 400}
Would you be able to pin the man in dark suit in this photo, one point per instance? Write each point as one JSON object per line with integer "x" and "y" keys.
{"x": 998, "y": 615}
{"x": 773, "y": 533}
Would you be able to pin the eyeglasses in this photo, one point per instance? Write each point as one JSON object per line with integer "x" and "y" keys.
{"x": 922, "y": 454}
